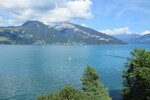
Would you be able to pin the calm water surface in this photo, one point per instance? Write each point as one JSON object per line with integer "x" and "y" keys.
{"x": 28, "y": 71}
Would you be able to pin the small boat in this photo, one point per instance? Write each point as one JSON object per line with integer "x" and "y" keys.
{"x": 117, "y": 69}
{"x": 70, "y": 58}
{"x": 75, "y": 67}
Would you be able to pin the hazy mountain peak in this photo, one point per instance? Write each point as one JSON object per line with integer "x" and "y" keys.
{"x": 28, "y": 23}
{"x": 127, "y": 37}
{"x": 144, "y": 39}
{"x": 79, "y": 33}
{"x": 64, "y": 25}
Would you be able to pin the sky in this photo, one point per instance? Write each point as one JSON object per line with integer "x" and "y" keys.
{"x": 107, "y": 16}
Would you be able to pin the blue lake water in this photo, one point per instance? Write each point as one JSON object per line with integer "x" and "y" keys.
{"x": 27, "y": 71}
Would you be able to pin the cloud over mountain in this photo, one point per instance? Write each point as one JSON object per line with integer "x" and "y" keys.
{"x": 124, "y": 30}
{"x": 145, "y": 32}
{"x": 47, "y": 11}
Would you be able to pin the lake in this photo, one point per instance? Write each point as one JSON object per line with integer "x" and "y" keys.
{"x": 27, "y": 71}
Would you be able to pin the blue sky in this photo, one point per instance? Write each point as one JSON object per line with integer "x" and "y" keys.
{"x": 109, "y": 16}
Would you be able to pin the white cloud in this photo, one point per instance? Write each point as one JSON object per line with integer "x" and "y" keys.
{"x": 117, "y": 31}
{"x": 145, "y": 32}
{"x": 18, "y": 5}
{"x": 83, "y": 25}
{"x": 47, "y": 11}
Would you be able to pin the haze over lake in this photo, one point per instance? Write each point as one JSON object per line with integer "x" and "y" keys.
{"x": 30, "y": 70}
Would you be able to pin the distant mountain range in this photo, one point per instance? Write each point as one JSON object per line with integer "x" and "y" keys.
{"x": 35, "y": 32}
{"x": 134, "y": 38}
{"x": 126, "y": 37}
{"x": 144, "y": 39}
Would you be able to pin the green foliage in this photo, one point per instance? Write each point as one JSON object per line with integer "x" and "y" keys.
{"x": 39, "y": 42}
{"x": 67, "y": 93}
{"x": 1, "y": 30}
{"x": 26, "y": 36}
{"x": 70, "y": 93}
{"x": 137, "y": 76}
{"x": 4, "y": 39}
{"x": 92, "y": 89}
{"x": 91, "y": 85}
{"x": 53, "y": 96}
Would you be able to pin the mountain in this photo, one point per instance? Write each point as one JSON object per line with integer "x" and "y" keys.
{"x": 35, "y": 32}
{"x": 84, "y": 35}
{"x": 134, "y": 38}
{"x": 43, "y": 32}
{"x": 145, "y": 39}
{"x": 31, "y": 32}
{"x": 129, "y": 38}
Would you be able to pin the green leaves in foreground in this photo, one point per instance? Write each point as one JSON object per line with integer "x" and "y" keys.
{"x": 67, "y": 93}
{"x": 92, "y": 89}
{"x": 137, "y": 76}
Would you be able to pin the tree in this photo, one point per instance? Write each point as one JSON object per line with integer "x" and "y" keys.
{"x": 137, "y": 76}
{"x": 67, "y": 93}
{"x": 93, "y": 89}
{"x": 52, "y": 96}
{"x": 70, "y": 93}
